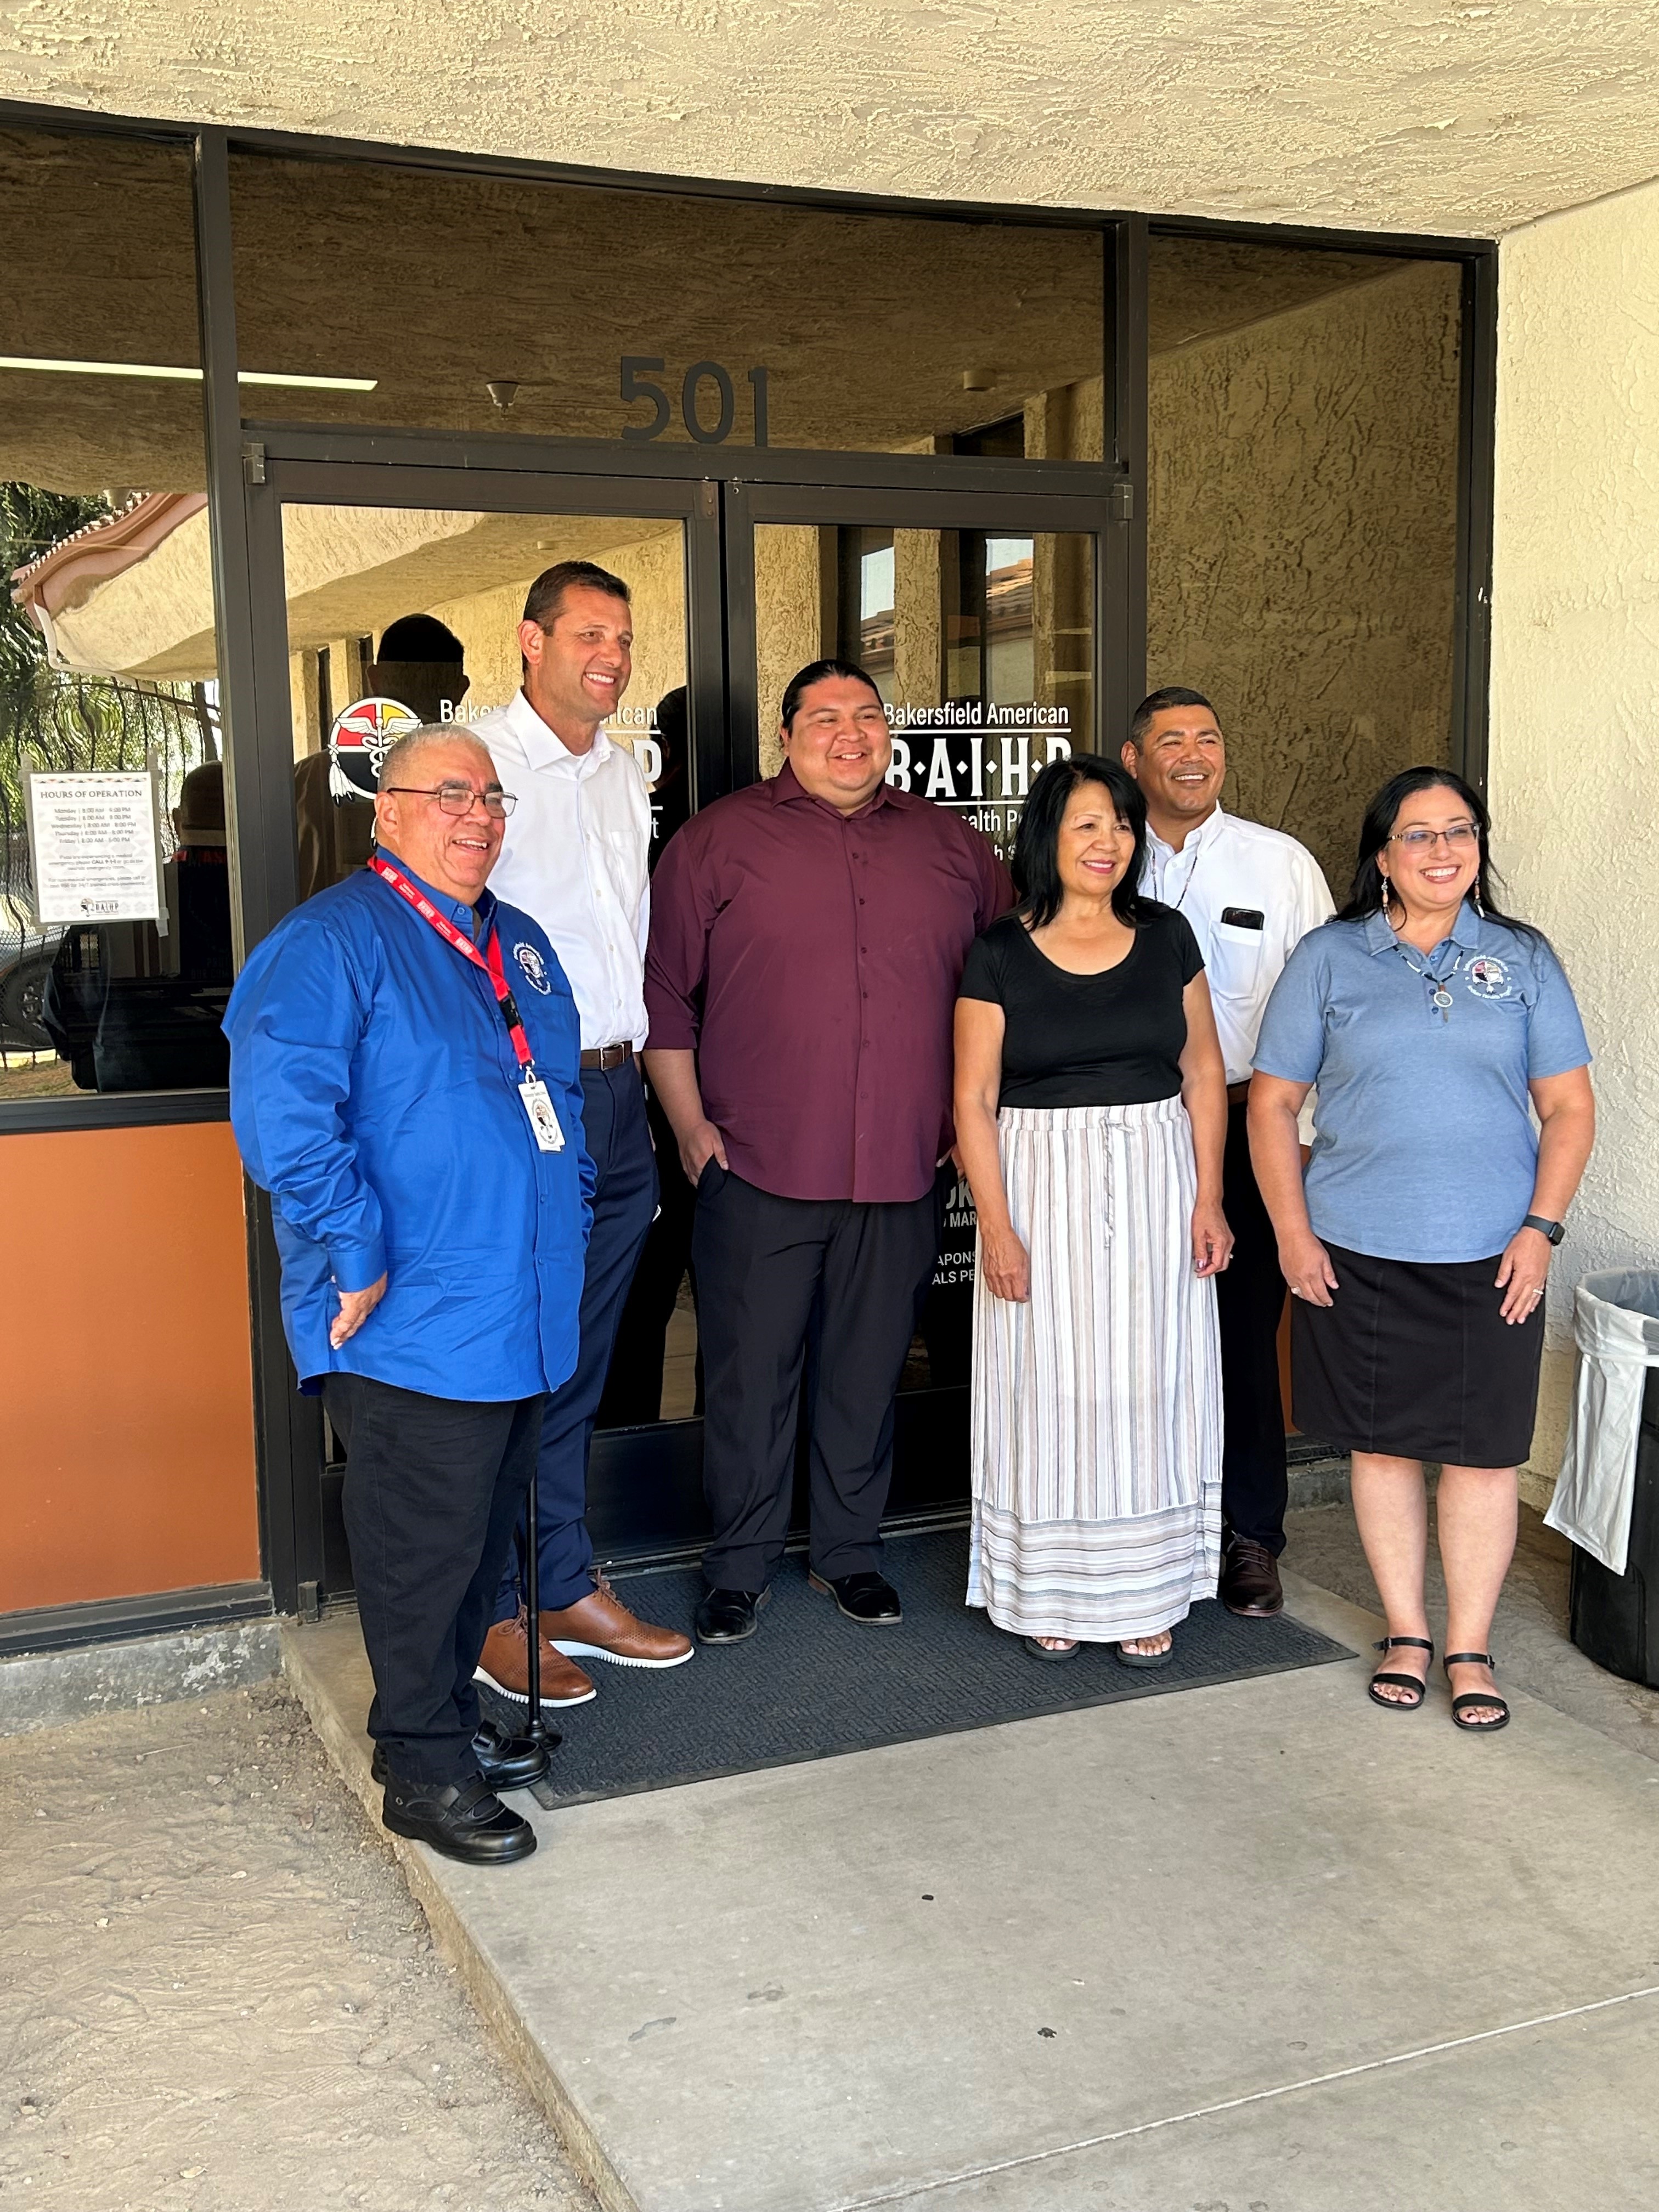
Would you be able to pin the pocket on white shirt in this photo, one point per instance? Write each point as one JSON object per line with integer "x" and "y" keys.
{"x": 1234, "y": 962}
{"x": 624, "y": 865}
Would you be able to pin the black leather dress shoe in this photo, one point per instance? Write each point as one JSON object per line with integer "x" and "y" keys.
{"x": 726, "y": 1616}
{"x": 1249, "y": 1580}
{"x": 506, "y": 1762}
{"x": 463, "y": 1820}
{"x": 869, "y": 1599}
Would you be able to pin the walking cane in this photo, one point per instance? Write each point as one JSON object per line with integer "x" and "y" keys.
{"x": 536, "y": 1729}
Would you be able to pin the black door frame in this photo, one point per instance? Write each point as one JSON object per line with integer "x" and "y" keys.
{"x": 646, "y": 1483}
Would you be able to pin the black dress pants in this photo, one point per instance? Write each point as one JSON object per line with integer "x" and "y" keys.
{"x": 1249, "y": 1302}
{"x": 774, "y": 1275}
{"x": 433, "y": 1490}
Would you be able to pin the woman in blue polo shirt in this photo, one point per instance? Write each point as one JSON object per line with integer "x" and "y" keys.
{"x": 1417, "y": 1249}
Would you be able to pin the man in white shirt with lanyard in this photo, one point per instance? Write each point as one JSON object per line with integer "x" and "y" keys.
{"x": 574, "y": 858}
{"x": 1251, "y": 894}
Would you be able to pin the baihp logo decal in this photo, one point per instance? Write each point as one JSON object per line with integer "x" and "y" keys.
{"x": 359, "y": 742}
{"x": 534, "y": 967}
{"x": 1489, "y": 978}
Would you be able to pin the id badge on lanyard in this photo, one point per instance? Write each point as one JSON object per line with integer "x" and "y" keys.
{"x": 533, "y": 1094}
{"x": 539, "y": 1104}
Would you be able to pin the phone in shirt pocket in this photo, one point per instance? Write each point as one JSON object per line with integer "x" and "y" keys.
{"x": 1235, "y": 944}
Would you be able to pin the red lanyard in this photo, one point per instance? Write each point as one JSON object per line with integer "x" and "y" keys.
{"x": 489, "y": 960}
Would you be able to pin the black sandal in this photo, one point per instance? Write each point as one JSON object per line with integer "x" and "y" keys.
{"x": 1467, "y": 1697}
{"x": 1401, "y": 1681}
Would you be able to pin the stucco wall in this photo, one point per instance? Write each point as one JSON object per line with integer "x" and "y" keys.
{"x": 1575, "y": 744}
{"x": 792, "y": 622}
{"x": 1302, "y": 543}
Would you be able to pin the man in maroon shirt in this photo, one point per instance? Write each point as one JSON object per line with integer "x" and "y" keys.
{"x": 807, "y": 937}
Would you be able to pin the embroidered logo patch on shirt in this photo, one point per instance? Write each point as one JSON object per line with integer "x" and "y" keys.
{"x": 1489, "y": 978}
{"x": 534, "y": 967}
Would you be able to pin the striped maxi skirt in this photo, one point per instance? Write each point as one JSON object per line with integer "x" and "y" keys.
{"x": 1096, "y": 1407}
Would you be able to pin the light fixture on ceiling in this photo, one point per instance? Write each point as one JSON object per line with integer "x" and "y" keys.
{"x": 309, "y": 383}
{"x": 171, "y": 375}
{"x": 977, "y": 380}
{"x": 503, "y": 390}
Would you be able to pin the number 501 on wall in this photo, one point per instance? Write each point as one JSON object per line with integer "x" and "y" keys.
{"x": 638, "y": 371}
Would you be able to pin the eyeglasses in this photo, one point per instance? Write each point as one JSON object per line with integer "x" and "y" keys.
{"x": 1459, "y": 838}
{"x": 460, "y": 798}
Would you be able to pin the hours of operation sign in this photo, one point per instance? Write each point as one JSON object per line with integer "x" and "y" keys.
{"x": 93, "y": 844}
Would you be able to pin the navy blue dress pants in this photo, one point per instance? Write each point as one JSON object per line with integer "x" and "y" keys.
{"x": 619, "y": 1140}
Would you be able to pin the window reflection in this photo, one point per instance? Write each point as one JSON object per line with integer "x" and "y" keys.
{"x": 1303, "y": 429}
{"x": 708, "y": 321}
{"x": 103, "y": 1005}
{"x": 402, "y": 616}
{"x": 107, "y": 659}
{"x": 865, "y": 563}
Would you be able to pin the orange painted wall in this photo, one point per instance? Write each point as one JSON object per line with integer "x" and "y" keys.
{"x": 126, "y": 1408}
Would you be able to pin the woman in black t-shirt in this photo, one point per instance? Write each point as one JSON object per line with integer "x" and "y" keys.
{"x": 1091, "y": 1113}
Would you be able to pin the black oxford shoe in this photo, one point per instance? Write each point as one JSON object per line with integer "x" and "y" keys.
{"x": 1249, "y": 1580}
{"x": 463, "y": 1820}
{"x": 506, "y": 1762}
{"x": 869, "y": 1599}
{"x": 726, "y": 1616}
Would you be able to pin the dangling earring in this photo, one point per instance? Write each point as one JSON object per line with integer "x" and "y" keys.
{"x": 1387, "y": 891}
{"x": 1479, "y": 907}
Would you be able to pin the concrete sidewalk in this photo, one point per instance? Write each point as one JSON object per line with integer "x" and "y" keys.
{"x": 1261, "y": 1948}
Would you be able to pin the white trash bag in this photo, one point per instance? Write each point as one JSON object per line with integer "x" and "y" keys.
{"x": 1616, "y": 1325}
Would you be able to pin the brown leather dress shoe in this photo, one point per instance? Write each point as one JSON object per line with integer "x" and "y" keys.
{"x": 600, "y": 1627}
{"x": 504, "y": 1664}
{"x": 1249, "y": 1580}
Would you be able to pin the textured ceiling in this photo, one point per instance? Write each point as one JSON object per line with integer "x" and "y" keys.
{"x": 1462, "y": 116}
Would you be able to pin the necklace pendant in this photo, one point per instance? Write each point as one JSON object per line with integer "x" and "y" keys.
{"x": 1443, "y": 999}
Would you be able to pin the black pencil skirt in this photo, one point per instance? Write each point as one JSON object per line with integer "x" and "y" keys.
{"x": 1414, "y": 1360}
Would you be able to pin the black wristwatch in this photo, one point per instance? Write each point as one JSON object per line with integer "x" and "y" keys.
{"x": 1555, "y": 1231}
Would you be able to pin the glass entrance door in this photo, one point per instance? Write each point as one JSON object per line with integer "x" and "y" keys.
{"x": 978, "y": 616}
{"x": 391, "y": 598}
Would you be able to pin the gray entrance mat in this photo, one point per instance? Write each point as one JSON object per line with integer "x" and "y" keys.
{"x": 810, "y": 1684}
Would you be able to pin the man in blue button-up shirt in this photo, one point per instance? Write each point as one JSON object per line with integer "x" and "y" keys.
{"x": 421, "y": 1135}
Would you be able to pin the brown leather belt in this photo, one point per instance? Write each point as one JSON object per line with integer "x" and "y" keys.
{"x": 1236, "y": 1092}
{"x": 607, "y": 1055}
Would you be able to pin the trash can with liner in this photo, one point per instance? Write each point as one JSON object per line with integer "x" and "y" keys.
{"x": 1606, "y": 1498}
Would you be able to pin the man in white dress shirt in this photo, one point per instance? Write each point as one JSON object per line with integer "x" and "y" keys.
{"x": 1250, "y": 894}
{"x": 573, "y": 857}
